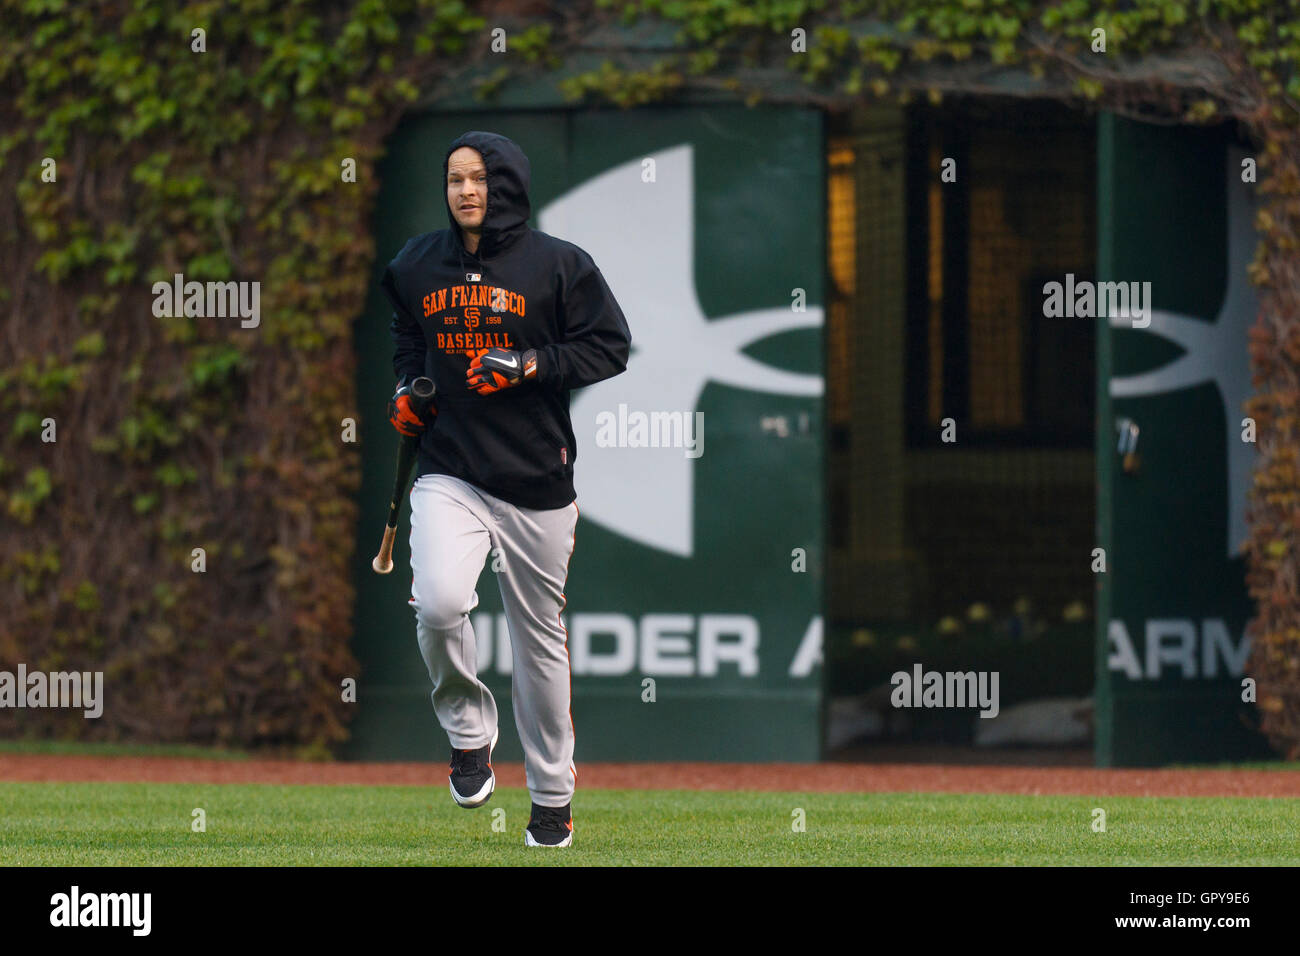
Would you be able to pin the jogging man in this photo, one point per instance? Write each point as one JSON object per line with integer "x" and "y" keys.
{"x": 505, "y": 320}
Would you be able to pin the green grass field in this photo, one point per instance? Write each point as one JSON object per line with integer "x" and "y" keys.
{"x": 123, "y": 824}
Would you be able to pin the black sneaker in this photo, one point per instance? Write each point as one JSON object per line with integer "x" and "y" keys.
{"x": 472, "y": 780}
{"x": 549, "y": 826}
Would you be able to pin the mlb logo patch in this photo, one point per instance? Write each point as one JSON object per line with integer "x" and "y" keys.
{"x": 564, "y": 456}
{"x": 472, "y": 277}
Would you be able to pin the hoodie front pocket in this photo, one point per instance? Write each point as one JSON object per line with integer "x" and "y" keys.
{"x": 550, "y": 447}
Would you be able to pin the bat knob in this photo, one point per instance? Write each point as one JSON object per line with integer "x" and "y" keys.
{"x": 380, "y": 566}
{"x": 423, "y": 391}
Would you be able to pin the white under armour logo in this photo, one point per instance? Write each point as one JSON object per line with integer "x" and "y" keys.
{"x": 651, "y": 271}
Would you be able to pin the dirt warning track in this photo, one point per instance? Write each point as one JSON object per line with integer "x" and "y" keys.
{"x": 801, "y": 778}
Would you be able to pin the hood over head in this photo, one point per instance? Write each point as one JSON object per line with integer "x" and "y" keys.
{"x": 508, "y": 209}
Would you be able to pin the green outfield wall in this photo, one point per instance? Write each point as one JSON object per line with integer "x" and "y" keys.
{"x": 1172, "y": 603}
{"x": 698, "y": 565}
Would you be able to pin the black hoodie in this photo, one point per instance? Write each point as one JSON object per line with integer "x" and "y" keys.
{"x": 523, "y": 289}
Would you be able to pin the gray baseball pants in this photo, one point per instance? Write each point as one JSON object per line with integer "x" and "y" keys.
{"x": 454, "y": 527}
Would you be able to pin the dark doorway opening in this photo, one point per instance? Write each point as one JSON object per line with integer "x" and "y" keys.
{"x": 961, "y": 422}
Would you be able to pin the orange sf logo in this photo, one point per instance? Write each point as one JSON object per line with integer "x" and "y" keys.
{"x": 471, "y": 317}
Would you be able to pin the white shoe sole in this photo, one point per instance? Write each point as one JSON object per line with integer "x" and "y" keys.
{"x": 480, "y": 798}
{"x": 529, "y": 841}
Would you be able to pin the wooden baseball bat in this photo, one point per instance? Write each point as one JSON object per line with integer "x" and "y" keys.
{"x": 422, "y": 392}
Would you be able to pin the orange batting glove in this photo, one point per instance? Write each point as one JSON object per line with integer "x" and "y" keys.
{"x": 491, "y": 370}
{"x": 403, "y": 417}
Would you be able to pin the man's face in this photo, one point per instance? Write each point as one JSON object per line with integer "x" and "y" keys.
{"x": 467, "y": 188}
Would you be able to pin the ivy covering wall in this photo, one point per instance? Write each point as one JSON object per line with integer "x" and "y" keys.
{"x": 222, "y": 156}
